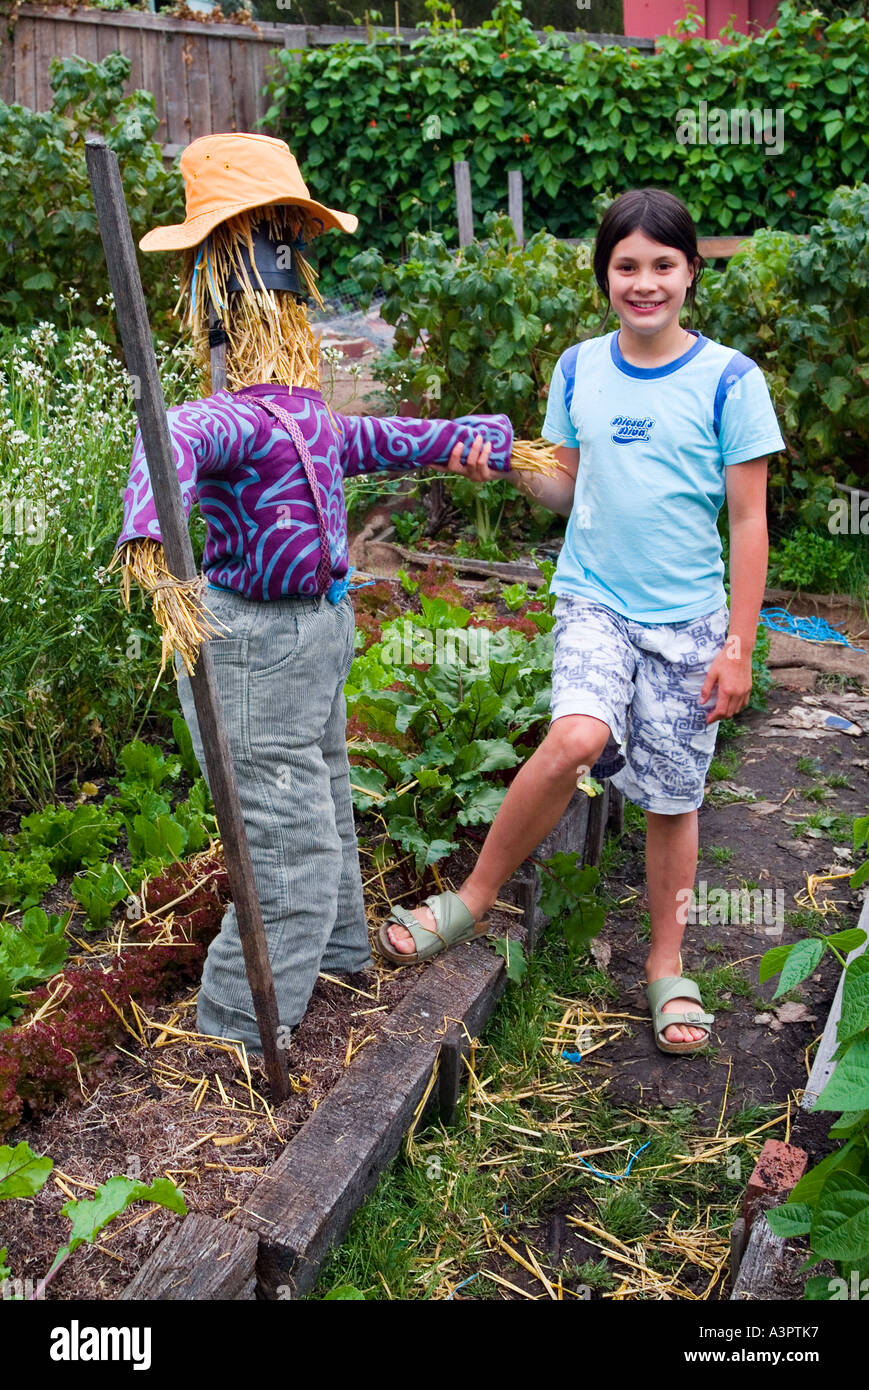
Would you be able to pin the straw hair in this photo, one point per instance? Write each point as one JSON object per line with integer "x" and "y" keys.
{"x": 269, "y": 332}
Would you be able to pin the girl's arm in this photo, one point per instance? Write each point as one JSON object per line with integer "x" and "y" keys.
{"x": 554, "y": 493}
{"x": 749, "y": 549}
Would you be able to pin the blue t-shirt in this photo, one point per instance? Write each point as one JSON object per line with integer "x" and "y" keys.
{"x": 654, "y": 442}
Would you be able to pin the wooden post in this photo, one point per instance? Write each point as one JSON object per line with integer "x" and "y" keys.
{"x": 514, "y": 203}
{"x": 217, "y": 351}
{"x": 117, "y": 238}
{"x": 462, "y": 173}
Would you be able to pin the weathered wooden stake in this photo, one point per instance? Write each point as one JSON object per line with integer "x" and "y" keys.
{"x": 514, "y": 203}
{"x": 462, "y": 174}
{"x": 117, "y": 238}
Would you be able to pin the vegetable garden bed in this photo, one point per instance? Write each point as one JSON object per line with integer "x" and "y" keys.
{"x": 160, "y": 1101}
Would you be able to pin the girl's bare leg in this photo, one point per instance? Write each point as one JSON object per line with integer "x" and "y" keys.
{"x": 671, "y": 863}
{"x": 535, "y": 802}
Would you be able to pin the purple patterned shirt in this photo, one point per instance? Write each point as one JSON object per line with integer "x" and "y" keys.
{"x": 243, "y": 469}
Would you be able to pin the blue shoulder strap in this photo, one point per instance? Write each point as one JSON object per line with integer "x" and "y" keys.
{"x": 568, "y": 369}
{"x": 736, "y": 369}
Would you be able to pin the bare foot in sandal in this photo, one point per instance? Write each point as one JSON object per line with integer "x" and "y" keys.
{"x": 403, "y": 941}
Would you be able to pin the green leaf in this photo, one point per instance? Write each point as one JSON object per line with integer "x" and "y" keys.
{"x": 811, "y": 1184}
{"x": 513, "y": 954}
{"x": 855, "y": 999}
{"x": 22, "y": 1172}
{"x": 345, "y": 1292}
{"x": 482, "y": 806}
{"x": 90, "y": 1215}
{"x": 772, "y": 962}
{"x": 840, "y": 1228}
{"x": 801, "y": 961}
{"x": 848, "y": 1087}
{"x": 792, "y": 1219}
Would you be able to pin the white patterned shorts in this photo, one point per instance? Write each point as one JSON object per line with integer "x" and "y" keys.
{"x": 644, "y": 681}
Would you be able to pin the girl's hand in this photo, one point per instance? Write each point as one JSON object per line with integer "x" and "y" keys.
{"x": 731, "y": 673}
{"x": 475, "y": 466}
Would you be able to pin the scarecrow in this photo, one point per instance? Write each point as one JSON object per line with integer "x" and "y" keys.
{"x": 265, "y": 458}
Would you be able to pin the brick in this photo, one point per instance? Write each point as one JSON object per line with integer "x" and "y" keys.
{"x": 351, "y": 347}
{"x": 778, "y": 1169}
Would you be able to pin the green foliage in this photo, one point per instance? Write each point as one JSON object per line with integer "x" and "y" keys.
{"x": 90, "y": 1215}
{"x": 78, "y": 674}
{"x": 811, "y": 560}
{"x": 70, "y": 837}
{"x": 465, "y": 699}
{"x": 98, "y": 893}
{"x": 514, "y": 955}
{"x": 22, "y": 1172}
{"x": 761, "y": 677}
{"x": 50, "y": 238}
{"x": 574, "y": 118}
{"x": 830, "y": 1203}
{"x": 569, "y": 897}
{"x": 24, "y": 877}
{"x": 31, "y": 952}
{"x": 530, "y": 303}
{"x": 800, "y": 308}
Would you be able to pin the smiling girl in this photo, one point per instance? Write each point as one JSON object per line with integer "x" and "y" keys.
{"x": 655, "y": 425}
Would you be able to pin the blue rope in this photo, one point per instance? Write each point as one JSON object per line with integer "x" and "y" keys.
{"x": 339, "y": 587}
{"x": 616, "y": 1177}
{"x": 809, "y": 629}
{"x": 462, "y": 1285}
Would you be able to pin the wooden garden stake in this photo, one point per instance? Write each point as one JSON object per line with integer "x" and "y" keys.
{"x": 462, "y": 175}
{"x": 114, "y": 224}
{"x": 514, "y": 203}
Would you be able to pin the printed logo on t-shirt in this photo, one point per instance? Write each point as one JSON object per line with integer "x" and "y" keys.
{"x": 627, "y": 429}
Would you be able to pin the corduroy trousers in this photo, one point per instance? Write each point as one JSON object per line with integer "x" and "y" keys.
{"x": 280, "y": 672}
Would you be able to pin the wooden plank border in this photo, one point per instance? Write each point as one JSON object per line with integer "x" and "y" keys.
{"x": 823, "y": 1065}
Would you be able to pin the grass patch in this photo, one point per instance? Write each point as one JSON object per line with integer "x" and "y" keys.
{"x": 458, "y": 1196}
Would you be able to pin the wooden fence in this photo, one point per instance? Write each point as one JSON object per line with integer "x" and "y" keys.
{"x": 205, "y": 77}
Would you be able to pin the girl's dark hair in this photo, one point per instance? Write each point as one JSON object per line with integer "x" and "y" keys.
{"x": 662, "y": 217}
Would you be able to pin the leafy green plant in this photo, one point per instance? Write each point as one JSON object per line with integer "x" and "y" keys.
{"x": 78, "y": 671}
{"x": 99, "y": 892}
{"x": 530, "y": 303}
{"x": 811, "y": 560}
{"x": 70, "y": 837}
{"x": 569, "y": 898}
{"x": 30, "y": 952}
{"x": 23, "y": 1173}
{"x": 830, "y": 1203}
{"x": 761, "y": 677}
{"x": 51, "y": 242}
{"x": 24, "y": 878}
{"x": 380, "y": 128}
{"x": 454, "y": 721}
{"x": 146, "y": 764}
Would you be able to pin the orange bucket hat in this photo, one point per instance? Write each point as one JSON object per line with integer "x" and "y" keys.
{"x": 231, "y": 173}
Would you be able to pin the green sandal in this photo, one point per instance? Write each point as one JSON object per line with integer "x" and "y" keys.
{"x": 453, "y": 925}
{"x": 659, "y": 993}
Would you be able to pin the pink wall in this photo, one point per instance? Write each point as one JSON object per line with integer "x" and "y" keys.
{"x": 649, "y": 18}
